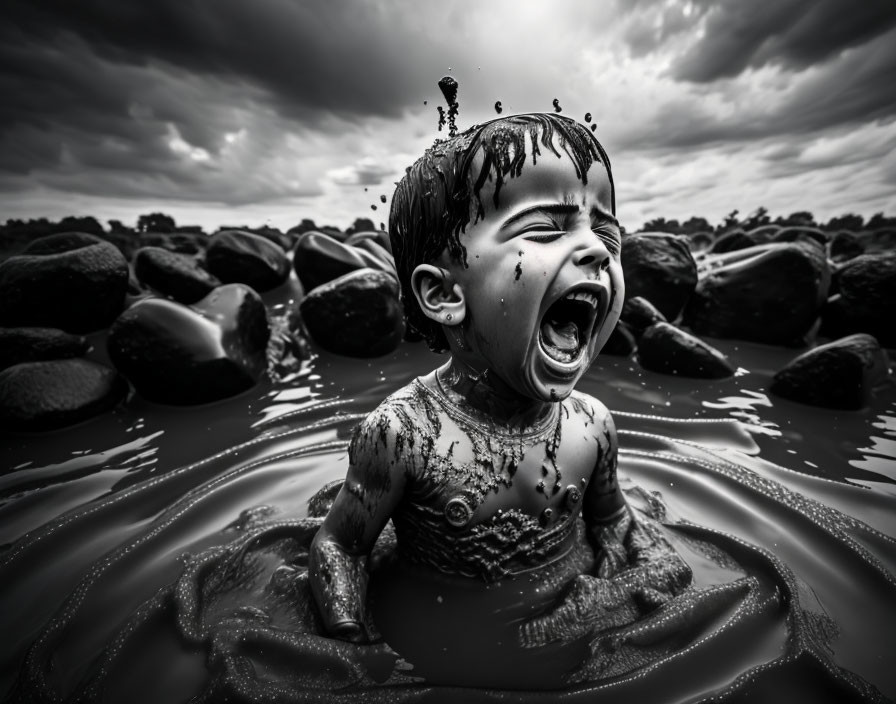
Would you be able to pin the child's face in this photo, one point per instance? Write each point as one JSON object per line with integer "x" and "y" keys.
{"x": 544, "y": 284}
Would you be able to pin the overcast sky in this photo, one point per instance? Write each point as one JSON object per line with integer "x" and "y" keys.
{"x": 268, "y": 111}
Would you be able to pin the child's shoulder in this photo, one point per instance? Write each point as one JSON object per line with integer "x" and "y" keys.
{"x": 586, "y": 405}
{"x": 401, "y": 411}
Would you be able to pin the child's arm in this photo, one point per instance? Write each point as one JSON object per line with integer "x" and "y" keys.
{"x": 629, "y": 551}
{"x": 337, "y": 562}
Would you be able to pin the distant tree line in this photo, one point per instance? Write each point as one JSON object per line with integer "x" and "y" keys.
{"x": 760, "y": 217}
{"x": 163, "y": 223}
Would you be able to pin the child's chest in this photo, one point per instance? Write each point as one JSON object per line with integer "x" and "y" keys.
{"x": 472, "y": 473}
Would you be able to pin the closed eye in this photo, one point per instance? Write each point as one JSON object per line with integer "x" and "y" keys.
{"x": 610, "y": 238}
{"x": 543, "y": 237}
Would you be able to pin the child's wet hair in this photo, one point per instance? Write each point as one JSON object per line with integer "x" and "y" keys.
{"x": 439, "y": 195}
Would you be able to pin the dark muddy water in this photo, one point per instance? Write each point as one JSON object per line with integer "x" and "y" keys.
{"x": 95, "y": 519}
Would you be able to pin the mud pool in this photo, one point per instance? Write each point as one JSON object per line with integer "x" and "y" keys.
{"x": 97, "y": 518}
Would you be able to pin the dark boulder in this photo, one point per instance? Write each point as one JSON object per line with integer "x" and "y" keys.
{"x": 866, "y": 301}
{"x": 700, "y": 241}
{"x": 381, "y": 237}
{"x": 621, "y": 342}
{"x": 660, "y": 268}
{"x": 357, "y": 315}
{"x": 72, "y": 281}
{"x": 763, "y": 233}
{"x": 770, "y": 293}
{"x": 880, "y": 240}
{"x": 839, "y": 374}
{"x": 374, "y": 255}
{"x": 639, "y": 314}
{"x": 179, "y": 276}
{"x": 811, "y": 235}
{"x": 732, "y": 241}
{"x": 238, "y": 257}
{"x": 845, "y": 245}
{"x": 666, "y": 349}
{"x": 52, "y": 394}
{"x": 185, "y": 355}
{"x": 319, "y": 258}
{"x": 19, "y": 345}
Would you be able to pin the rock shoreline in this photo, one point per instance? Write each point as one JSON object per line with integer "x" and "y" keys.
{"x": 187, "y": 322}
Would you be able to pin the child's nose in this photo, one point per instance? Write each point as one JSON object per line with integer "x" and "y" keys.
{"x": 592, "y": 253}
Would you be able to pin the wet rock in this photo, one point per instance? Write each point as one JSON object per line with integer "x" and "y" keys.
{"x": 72, "y": 281}
{"x": 809, "y": 235}
{"x": 770, "y": 293}
{"x": 763, "y": 233}
{"x": 844, "y": 246}
{"x": 879, "y": 240}
{"x": 839, "y": 374}
{"x": 52, "y": 394}
{"x": 866, "y": 301}
{"x": 660, "y": 268}
{"x": 357, "y": 315}
{"x": 319, "y": 258}
{"x": 666, "y": 349}
{"x": 621, "y": 342}
{"x": 381, "y": 237}
{"x": 181, "y": 242}
{"x": 374, "y": 254}
{"x": 700, "y": 241}
{"x": 639, "y": 314}
{"x": 185, "y": 355}
{"x": 238, "y": 257}
{"x": 176, "y": 275}
{"x": 19, "y": 345}
{"x": 732, "y": 241}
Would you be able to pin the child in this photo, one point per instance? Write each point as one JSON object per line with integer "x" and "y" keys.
{"x": 507, "y": 249}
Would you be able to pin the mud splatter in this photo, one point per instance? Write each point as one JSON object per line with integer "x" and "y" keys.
{"x": 587, "y": 117}
{"x": 556, "y": 104}
{"x": 382, "y": 199}
{"x": 519, "y": 271}
{"x": 449, "y": 86}
{"x": 498, "y": 107}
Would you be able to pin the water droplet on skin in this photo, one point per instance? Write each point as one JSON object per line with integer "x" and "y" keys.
{"x": 587, "y": 117}
{"x": 498, "y": 107}
{"x": 382, "y": 199}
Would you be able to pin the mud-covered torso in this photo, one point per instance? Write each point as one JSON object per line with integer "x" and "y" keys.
{"x": 488, "y": 501}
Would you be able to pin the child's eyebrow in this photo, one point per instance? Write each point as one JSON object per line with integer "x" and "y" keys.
{"x": 597, "y": 214}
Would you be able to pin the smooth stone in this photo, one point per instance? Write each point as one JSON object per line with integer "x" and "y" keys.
{"x": 319, "y": 258}
{"x": 866, "y": 301}
{"x": 763, "y": 233}
{"x": 700, "y": 241}
{"x": 667, "y": 349}
{"x": 811, "y": 235}
{"x": 381, "y": 237}
{"x": 375, "y": 255}
{"x": 839, "y": 374}
{"x": 845, "y": 245}
{"x": 660, "y": 268}
{"x": 732, "y": 241}
{"x": 72, "y": 281}
{"x": 639, "y": 314}
{"x": 172, "y": 274}
{"x": 184, "y": 355}
{"x": 18, "y": 345}
{"x": 621, "y": 342}
{"x": 181, "y": 242}
{"x": 769, "y": 293}
{"x": 357, "y": 315}
{"x": 238, "y": 257}
{"x": 52, "y": 394}
{"x": 878, "y": 241}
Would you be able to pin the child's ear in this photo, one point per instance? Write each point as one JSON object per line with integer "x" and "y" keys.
{"x": 440, "y": 298}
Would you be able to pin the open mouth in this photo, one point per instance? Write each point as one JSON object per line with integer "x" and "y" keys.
{"x": 567, "y": 326}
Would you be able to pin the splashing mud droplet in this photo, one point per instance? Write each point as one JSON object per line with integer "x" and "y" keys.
{"x": 382, "y": 199}
{"x": 498, "y": 107}
{"x": 593, "y": 127}
{"x": 556, "y": 104}
{"x": 373, "y": 207}
{"x": 365, "y": 189}
{"x": 587, "y": 117}
{"x": 383, "y": 226}
{"x": 448, "y": 86}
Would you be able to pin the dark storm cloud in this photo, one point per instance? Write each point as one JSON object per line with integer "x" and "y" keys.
{"x": 853, "y": 89}
{"x": 792, "y": 34}
{"x": 321, "y": 55}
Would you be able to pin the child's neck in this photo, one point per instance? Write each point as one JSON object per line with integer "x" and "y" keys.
{"x": 488, "y": 395}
